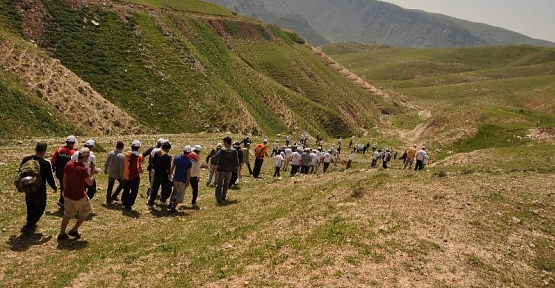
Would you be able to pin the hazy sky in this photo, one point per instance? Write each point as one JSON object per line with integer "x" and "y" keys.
{"x": 534, "y": 18}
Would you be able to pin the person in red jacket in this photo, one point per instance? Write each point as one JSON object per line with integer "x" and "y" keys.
{"x": 59, "y": 161}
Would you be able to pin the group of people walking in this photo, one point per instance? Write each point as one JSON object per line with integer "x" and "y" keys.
{"x": 76, "y": 170}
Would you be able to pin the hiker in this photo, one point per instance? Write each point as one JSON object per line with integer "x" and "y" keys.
{"x": 150, "y": 154}
{"x": 374, "y": 145}
{"x": 339, "y": 146}
{"x": 287, "y": 158}
{"x": 90, "y": 163}
{"x": 161, "y": 163}
{"x": 59, "y": 161}
{"x": 326, "y": 158}
{"x": 212, "y": 160}
{"x": 181, "y": 171}
{"x": 76, "y": 178}
{"x": 296, "y": 159}
{"x": 386, "y": 158}
{"x": 305, "y": 161}
{"x": 195, "y": 174}
{"x": 227, "y": 163}
{"x": 313, "y": 160}
{"x": 35, "y": 201}
{"x": 350, "y": 143}
{"x": 420, "y": 156}
{"x": 115, "y": 163}
{"x": 259, "y": 152}
{"x": 411, "y": 153}
{"x": 247, "y": 157}
{"x": 131, "y": 175}
{"x": 375, "y": 157}
{"x": 287, "y": 140}
{"x": 275, "y": 148}
{"x": 246, "y": 142}
{"x": 235, "y": 175}
{"x": 350, "y": 160}
{"x": 404, "y": 157}
{"x": 278, "y": 161}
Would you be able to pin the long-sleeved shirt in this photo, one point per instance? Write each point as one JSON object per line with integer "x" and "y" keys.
{"x": 115, "y": 163}
{"x": 45, "y": 172}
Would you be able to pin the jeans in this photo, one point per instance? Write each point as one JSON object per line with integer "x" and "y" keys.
{"x": 130, "y": 191}
{"x": 160, "y": 181}
{"x": 193, "y": 181}
{"x": 222, "y": 185}
{"x": 257, "y": 167}
{"x": 111, "y": 182}
{"x": 304, "y": 169}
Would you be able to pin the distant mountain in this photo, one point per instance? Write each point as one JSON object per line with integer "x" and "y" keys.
{"x": 372, "y": 21}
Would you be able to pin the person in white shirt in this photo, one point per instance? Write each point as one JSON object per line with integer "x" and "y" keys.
{"x": 90, "y": 163}
{"x": 313, "y": 160}
{"x": 275, "y": 148}
{"x": 326, "y": 158}
{"x": 287, "y": 159}
{"x": 278, "y": 160}
{"x": 319, "y": 155}
{"x": 350, "y": 160}
{"x": 296, "y": 159}
{"x": 420, "y": 156}
{"x": 376, "y": 157}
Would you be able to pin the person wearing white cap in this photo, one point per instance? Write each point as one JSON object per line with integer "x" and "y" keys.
{"x": 296, "y": 159}
{"x": 90, "y": 164}
{"x": 259, "y": 152}
{"x": 131, "y": 175}
{"x": 212, "y": 159}
{"x": 411, "y": 153}
{"x": 59, "y": 160}
{"x": 75, "y": 199}
{"x": 150, "y": 154}
{"x": 181, "y": 171}
{"x": 326, "y": 158}
{"x": 420, "y": 158}
{"x": 195, "y": 174}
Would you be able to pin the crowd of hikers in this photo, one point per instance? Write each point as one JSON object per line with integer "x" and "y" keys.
{"x": 76, "y": 170}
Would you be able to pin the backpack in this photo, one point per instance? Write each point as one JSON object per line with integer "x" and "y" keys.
{"x": 214, "y": 158}
{"x": 28, "y": 179}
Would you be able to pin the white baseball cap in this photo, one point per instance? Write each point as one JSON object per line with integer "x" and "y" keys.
{"x": 219, "y": 145}
{"x": 265, "y": 141}
{"x": 197, "y": 148}
{"x": 136, "y": 143}
{"x": 71, "y": 139}
{"x": 161, "y": 140}
{"x": 187, "y": 148}
{"x": 90, "y": 142}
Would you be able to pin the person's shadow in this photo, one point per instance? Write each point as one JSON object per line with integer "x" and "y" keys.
{"x": 22, "y": 242}
{"x": 72, "y": 244}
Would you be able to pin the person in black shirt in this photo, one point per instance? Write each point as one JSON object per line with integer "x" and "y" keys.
{"x": 237, "y": 174}
{"x": 36, "y": 201}
{"x": 228, "y": 162}
{"x": 161, "y": 163}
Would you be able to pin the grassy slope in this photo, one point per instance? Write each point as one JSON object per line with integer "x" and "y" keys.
{"x": 502, "y": 92}
{"x": 173, "y": 69}
{"x": 380, "y": 228}
{"x": 197, "y": 6}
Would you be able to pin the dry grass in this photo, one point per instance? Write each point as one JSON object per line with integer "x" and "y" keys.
{"x": 344, "y": 229}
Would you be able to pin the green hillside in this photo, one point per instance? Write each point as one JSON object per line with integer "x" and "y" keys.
{"x": 478, "y": 97}
{"x": 191, "y": 66}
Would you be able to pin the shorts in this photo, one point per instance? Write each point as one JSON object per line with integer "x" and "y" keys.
{"x": 82, "y": 206}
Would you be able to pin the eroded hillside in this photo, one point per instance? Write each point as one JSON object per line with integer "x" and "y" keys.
{"x": 177, "y": 67}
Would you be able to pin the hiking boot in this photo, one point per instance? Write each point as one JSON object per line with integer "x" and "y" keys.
{"x": 62, "y": 237}
{"x": 74, "y": 233}
{"x": 173, "y": 210}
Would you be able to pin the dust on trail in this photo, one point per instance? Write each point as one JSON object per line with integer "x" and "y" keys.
{"x": 64, "y": 90}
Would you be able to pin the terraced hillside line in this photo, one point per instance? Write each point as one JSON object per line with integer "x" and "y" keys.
{"x": 65, "y": 91}
{"x": 350, "y": 75}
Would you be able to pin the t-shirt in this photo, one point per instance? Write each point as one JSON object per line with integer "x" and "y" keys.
{"x": 305, "y": 159}
{"x": 411, "y": 152}
{"x": 296, "y": 158}
{"x": 426, "y": 159}
{"x": 262, "y": 151}
{"x": 278, "y": 158}
{"x": 195, "y": 160}
{"x": 91, "y": 159}
{"x": 376, "y": 155}
{"x": 161, "y": 163}
{"x": 352, "y": 157}
{"x": 182, "y": 165}
{"x": 75, "y": 175}
{"x": 327, "y": 157}
{"x": 60, "y": 159}
{"x": 275, "y": 146}
{"x": 420, "y": 155}
{"x": 288, "y": 152}
{"x": 314, "y": 158}
{"x": 133, "y": 160}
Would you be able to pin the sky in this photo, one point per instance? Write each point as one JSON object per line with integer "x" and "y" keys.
{"x": 534, "y": 18}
